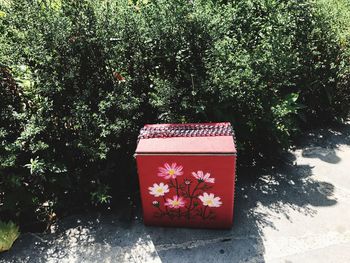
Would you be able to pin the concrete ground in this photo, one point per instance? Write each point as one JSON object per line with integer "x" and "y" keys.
{"x": 297, "y": 212}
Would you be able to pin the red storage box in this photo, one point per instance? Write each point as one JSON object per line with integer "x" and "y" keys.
{"x": 187, "y": 174}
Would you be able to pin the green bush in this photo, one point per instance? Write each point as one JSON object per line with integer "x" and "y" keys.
{"x": 89, "y": 74}
{"x": 323, "y": 71}
{"x": 334, "y": 16}
{"x": 12, "y": 197}
{"x": 77, "y": 130}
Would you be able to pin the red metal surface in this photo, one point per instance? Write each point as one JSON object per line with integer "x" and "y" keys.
{"x": 189, "y": 188}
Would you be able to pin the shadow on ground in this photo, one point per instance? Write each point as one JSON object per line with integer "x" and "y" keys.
{"x": 322, "y": 143}
{"x": 261, "y": 195}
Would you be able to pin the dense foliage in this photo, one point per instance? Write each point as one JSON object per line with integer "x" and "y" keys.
{"x": 79, "y": 78}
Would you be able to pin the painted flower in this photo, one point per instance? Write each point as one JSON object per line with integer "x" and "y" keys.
{"x": 210, "y": 200}
{"x": 176, "y": 202}
{"x": 155, "y": 203}
{"x": 170, "y": 171}
{"x": 158, "y": 189}
{"x": 201, "y": 177}
{"x": 188, "y": 182}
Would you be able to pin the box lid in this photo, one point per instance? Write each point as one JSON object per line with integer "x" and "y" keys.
{"x": 197, "y": 138}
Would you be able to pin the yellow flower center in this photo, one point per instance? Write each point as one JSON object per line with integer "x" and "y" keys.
{"x": 209, "y": 202}
{"x": 171, "y": 172}
{"x": 160, "y": 190}
{"x": 176, "y": 203}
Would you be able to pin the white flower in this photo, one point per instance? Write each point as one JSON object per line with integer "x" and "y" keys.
{"x": 201, "y": 177}
{"x": 210, "y": 200}
{"x": 159, "y": 189}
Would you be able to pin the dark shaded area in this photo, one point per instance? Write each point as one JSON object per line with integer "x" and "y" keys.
{"x": 324, "y": 154}
{"x": 281, "y": 189}
{"x": 322, "y": 143}
{"x": 290, "y": 185}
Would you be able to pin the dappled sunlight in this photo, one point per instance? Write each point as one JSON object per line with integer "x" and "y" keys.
{"x": 288, "y": 188}
{"x": 143, "y": 251}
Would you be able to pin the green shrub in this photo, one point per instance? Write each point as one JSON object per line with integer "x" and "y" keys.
{"x": 323, "y": 71}
{"x": 90, "y": 74}
{"x": 334, "y": 16}
{"x": 12, "y": 193}
{"x": 78, "y": 114}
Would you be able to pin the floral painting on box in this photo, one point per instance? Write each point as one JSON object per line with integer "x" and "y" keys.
{"x": 192, "y": 197}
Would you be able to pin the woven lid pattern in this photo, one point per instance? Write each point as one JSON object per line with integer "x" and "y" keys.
{"x": 186, "y": 130}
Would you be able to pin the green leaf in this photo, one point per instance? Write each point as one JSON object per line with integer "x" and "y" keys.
{"x": 9, "y": 232}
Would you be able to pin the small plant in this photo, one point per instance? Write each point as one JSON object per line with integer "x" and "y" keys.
{"x": 9, "y": 232}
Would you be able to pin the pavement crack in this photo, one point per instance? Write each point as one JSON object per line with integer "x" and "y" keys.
{"x": 199, "y": 243}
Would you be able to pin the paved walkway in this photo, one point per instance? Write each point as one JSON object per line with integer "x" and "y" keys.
{"x": 298, "y": 212}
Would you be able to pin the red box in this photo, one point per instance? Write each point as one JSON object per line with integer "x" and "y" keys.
{"x": 187, "y": 174}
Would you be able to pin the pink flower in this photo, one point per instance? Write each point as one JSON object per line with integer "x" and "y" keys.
{"x": 201, "y": 177}
{"x": 176, "y": 202}
{"x": 170, "y": 171}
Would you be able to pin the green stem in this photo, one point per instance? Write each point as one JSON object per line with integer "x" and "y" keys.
{"x": 160, "y": 210}
{"x": 177, "y": 188}
{"x": 191, "y": 198}
{"x": 166, "y": 208}
{"x": 205, "y": 208}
